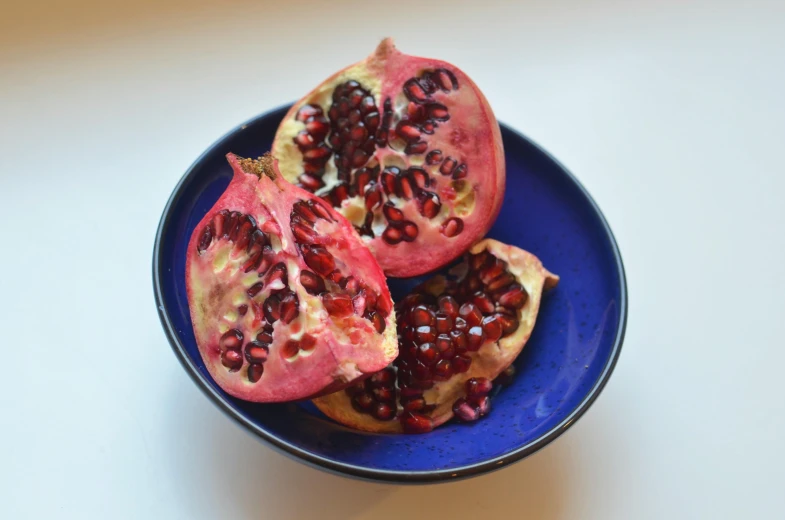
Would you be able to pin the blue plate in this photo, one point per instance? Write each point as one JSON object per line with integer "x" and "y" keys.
{"x": 562, "y": 370}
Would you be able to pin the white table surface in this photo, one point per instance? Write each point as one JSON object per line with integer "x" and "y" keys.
{"x": 670, "y": 112}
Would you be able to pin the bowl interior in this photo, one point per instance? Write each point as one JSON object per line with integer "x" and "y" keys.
{"x": 567, "y": 360}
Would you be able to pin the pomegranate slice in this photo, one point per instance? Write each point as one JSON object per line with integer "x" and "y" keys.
{"x": 406, "y": 148}
{"x": 286, "y": 301}
{"x": 456, "y": 334}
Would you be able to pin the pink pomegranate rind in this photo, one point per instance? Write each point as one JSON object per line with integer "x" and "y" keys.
{"x": 269, "y": 271}
{"x": 514, "y": 292}
{"x": 408, "y": 149}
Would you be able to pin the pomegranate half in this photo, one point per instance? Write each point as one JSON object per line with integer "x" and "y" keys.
{"x": 456, "y": 334}
{"x": 286, "y": 300}
{"x": 407, "y": 149}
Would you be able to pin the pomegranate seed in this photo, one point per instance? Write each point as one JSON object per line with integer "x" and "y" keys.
{"x": 427, "y": 354}
{"x": 471, "y": 314}
{"x": 372, "y": 120}
{"x": 218, "y": 222}
{"x": 255, "y": 372}
{"x": 307, "y": 111}
{"x": 320, "y": 211}
{"x": 483, "y": 302}
{"x": 381, "y": 137}
{"x": 384, "y": 394}
{"x": 500, "y": 282}
{"x": 452, "y": 227}
{"x": 359, "y": 133}
{"x": 389, "y": 179}
{"x": 407, "y": 131}
{"x": 268, "y": 255}
{"x": 443, "y": 370}
{"x": 406, "y": 188}
{"x": 256, "y": 352}
{"x": 514, "y": 296}
{"x": 475, "y": 338}
{"x": 272, "y": 308}
{"x": 304, "y": 141}
{"x": 461, "y": 364}
{"x": 443, "y": 342}
{"x": 232, "y": 359}
{"x": 429, "y": 204}
{"x": 392, "y": 235}
{"x": 448, "y": 166}
{"x": 448, "y": 306}
{"x": 410, "y": 231}
{"x": 478, "y": 386}
{"x": 425, "y": 334}
{"x": 205, "y": 239}
{"x": 419, "y": 177}
{"x": 417, "y": 148}
{"x": 483, "y": 404}
{"x": 428, "y": 127}
{"x": 433, "y": 157}
{"x": 254, "y": 289}
{"x": 508, "y": 321}
{"x": 479, "y": 261}
{"x": 422, "y": 315}
{"x": 290, "y": 307}
{"x": 312, "y": 282}
{"x": 384, "y": 412}
{"x": 373, "y": 196}
{"x": 408, "y": 392}
{"x": 290, "y": 349}
{"x": 253, "y": 262}
{"x": 304, "y": 235}
{"x": 460, "y": 172}
{"x": 385, "y": 378}
{"x": 427, "y": 83}
{"x": 416, "y": 423}
{"x": 242, "y": 309}
{"x": 363, "y": 402}
{"x": 231, "y": 339}
{"x": 232, "y": 221}
{"x": 465, "y": 411}
{"x": 318, "y": 154}
{"x": 265, "y": 337}
{"x": 307, "y": 342}
{"x": 368, "y": 105}
{"x": 310, "y": 183}
{"x": 318, "y": 259}
{"x": 444, "y": 322}
{"x": 414, "y": 405}
{"x": 317, "y": 127}
{"x": 460, "y": 324}
{"x": 338, "y": 304}
{"x": 391, "y": 213}
{"x": 438, "y": 112}
{"x": 359, "y": 157}
{"x": 445, "y": 79}
{"x": 313, "y": 169}
{"x": 492, "y": 327}
{"x": 492, "y": 270}
{"x": 414, "y": 91}
{"x": 420, "y": 371}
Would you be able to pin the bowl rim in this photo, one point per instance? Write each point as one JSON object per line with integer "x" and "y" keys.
{"x": 351, "y": 470}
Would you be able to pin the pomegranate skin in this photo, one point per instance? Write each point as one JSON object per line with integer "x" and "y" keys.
{"x": 452, "y": 210}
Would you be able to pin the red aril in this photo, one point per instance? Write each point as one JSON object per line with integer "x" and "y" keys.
{"x": 408, "y": 149}
{"x": 286, "y": 301}
{"x": 451, "y": 348}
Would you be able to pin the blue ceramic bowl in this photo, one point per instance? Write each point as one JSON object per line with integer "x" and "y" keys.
{"x": 562, "y": 370}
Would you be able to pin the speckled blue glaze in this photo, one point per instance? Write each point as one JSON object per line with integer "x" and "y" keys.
{"x": 566, "y": 363}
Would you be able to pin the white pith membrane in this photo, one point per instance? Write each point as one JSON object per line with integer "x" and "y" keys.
{"x": 488, "y": 361}
{"x": 263, "y": 337}
{"x": 413, "y": 134}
